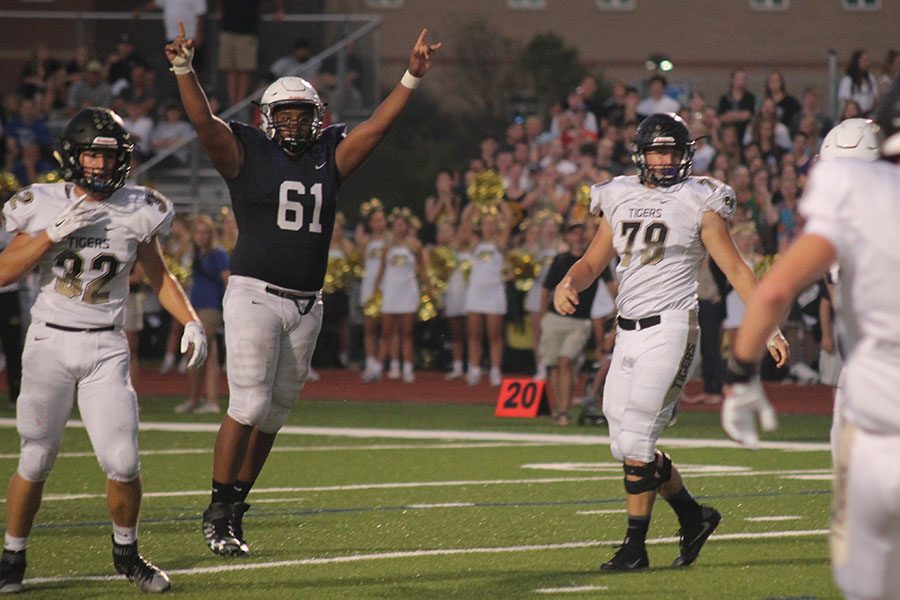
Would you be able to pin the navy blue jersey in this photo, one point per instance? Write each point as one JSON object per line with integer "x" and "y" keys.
{"x": 284, "y": 207}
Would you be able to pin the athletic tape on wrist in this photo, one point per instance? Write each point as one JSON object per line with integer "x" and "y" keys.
{"x": 409, "y": 80}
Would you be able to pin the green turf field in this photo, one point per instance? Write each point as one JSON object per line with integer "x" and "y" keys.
{"x": 409, "y": 501}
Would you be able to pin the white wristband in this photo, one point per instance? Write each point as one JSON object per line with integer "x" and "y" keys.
{"x": 409, "y": 80}
{"x": 181, "y": 70}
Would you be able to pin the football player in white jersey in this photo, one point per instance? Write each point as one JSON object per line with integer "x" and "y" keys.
{"x": 661, "y": 223}
{"x": 852, "y": 211}
{"x": 84, "y": 235}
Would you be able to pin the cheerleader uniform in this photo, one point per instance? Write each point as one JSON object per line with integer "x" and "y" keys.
{"x": 399, "y": 284}
{"x": 455, "y": 292}
{"x": 487, "y": 290}
{"x": 370, "y": 269}
{"x": 533, "y": 297}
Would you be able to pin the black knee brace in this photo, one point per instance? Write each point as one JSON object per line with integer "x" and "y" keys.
{"x": 651, "y": 474}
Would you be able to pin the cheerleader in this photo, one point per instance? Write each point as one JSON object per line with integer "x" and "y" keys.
{"x": 370, "y": 236}
{"x": 341, "y": 254}
{"x": 486, "y": 294}
{"x": 454, "y": 297}
{"x": 402, "y": 268}
{"x": 179, "y": 247}
{"x": 542, "y": 241}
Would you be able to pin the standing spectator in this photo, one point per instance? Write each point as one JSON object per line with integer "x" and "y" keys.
{"x": 711, "y": 311}
{"x": 786, "y": 106}
{"x": 890, "y": 69}
{"x": 564, "y": 336}
{"x": 657, "y": 101}
{"x": 612, "y": 111}
{"x": 239, "y": 44}
{"x": 179, "y": 249}
{"x": 133, "y": 319}
{"x": 90, "y": 89}
{"x": 140, "y": 126}
{"x": 858, "y": 84}
{"x": 454, "y": 299}
{"x": 809, "y": 108}
{"x": 737, "y": 105}
{"x": 542, "y": 244}
{"x": 210, "y": 273}
{"x": 335, "y": 297}
{"x": 192, "y": 13}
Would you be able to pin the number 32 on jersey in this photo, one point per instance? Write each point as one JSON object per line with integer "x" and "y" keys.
{"x": 291, "y": 210}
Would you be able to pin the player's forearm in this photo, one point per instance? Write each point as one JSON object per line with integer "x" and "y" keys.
{"x": 766, "y": 310}
{"x": 193, "y": 98}
{"x": 173, "y": 299}
{"x": 582, "y": 274}
{"x": 18, "y": 259}
{"x": 378, "y": 125}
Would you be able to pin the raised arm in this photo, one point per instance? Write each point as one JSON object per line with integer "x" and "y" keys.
{"x": 224, "y": 150}
{"x": 360, "y": 142}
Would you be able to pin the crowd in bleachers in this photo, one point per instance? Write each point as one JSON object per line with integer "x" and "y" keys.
{"x": 475, "y": 254}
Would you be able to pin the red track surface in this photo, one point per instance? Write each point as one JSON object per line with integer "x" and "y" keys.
{"x": 430, "y": 387}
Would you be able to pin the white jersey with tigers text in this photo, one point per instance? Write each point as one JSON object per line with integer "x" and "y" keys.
{"x": 656, "y": 233}
{"x": 855, "y": 205}
{"x": 84, "y": 278}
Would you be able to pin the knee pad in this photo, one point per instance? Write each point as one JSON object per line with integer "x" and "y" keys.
{"x": 616, "y": 451}
{"x": 250, "y": 407}
{"x": 36, "y": 460}
{"x": 651, "y": 474}
{"x": 120, "y": 463}
{"x": 635, "y": 446}
{"x": 274, "y": 419}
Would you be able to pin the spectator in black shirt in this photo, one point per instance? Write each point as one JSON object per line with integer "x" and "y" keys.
{"x": 736, "y": 106}
{"x": 786, "y": 106}
{"x": 563, "y": 337}
{"x": 239, "y": 42}
{"x": 120, "y": 63}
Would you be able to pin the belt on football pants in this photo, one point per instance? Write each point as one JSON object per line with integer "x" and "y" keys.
{"x": 296, "y": 298}
{"x": 80, "y": 329}
{"x": 632, "y": 324}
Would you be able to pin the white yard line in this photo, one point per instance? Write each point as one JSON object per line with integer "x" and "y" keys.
{"x": 603, "y": 511}
{"x": 428, "y": 484}
{"x": 774, "y": 518}
{"x": 484, "y": 436}
{"x": 355, "y": 558}
{"x": 572, "y": 590}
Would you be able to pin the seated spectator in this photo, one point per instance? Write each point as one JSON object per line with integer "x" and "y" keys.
{"x": 294, "y": 63}
{"x": 139, "y": 87}
{"x": 576, "y": 115}
{"x": 769, "y": 112}
{"x": 170, "y": 131}
{"x": 30, "y": 127}
{"x": 140, "y": 126}
{"x": 121, "y": 61}
{"x": 31, "y": 167}
{"x": 850, "y": 110}
{"x": 89, "y": 89}
{"x": 556, "y": 158}
{"x": 657, "y": 101}
{"x": 34, "y": 80}
{"x": 605, "y": 151}
{"x": 612, "y": 110}
{"x": 890, "y": 69}
{"x": 703, "y": 150}
{"x": 809, "y": 108}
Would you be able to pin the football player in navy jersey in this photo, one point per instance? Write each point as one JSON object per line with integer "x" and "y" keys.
{"x": 283, "y": 180}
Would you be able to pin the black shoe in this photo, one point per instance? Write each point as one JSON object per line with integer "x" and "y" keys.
{"x": 591, "y": 418}
{"x": 237, "y": 520}
{"x": 137, "y": 569}
{"x": 627, "y": 558}
{"x": 692, "y": 537}
{"x": 12, "y": 571}
{"x": 218, "y": 533}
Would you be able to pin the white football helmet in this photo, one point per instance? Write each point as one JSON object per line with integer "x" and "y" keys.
{"x": 852, "y": 138}
{"x": 291, "y": 91}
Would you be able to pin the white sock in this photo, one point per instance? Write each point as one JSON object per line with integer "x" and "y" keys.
{"x": 16, "y": 544}
{"x": 169, "y": 358}
{"x": 124, "y": 535}
{"x": 395, "y": 365}
{"x": 370, "y": 363}
{"x": 407, "y": 367}
{"x": 495, "y": 371}
{"x": 473, "y": 370}
{"x": 457, "y": 366}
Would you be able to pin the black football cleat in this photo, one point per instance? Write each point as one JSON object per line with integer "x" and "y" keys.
{"x": 237, "y": 521}
{"x": 218, "y": 534}
{"x": 589, "y": 417}
{"x": 12, "y": 571}
{"x": 694, "y": 536}
{"x": 627, "y": 558}
{"x": 150, "y": 578}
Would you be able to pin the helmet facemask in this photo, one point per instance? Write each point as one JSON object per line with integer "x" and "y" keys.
{"x": 102, "y": 181}
{"x": 294, "y": 133}
{"x": 666, "y": 175}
